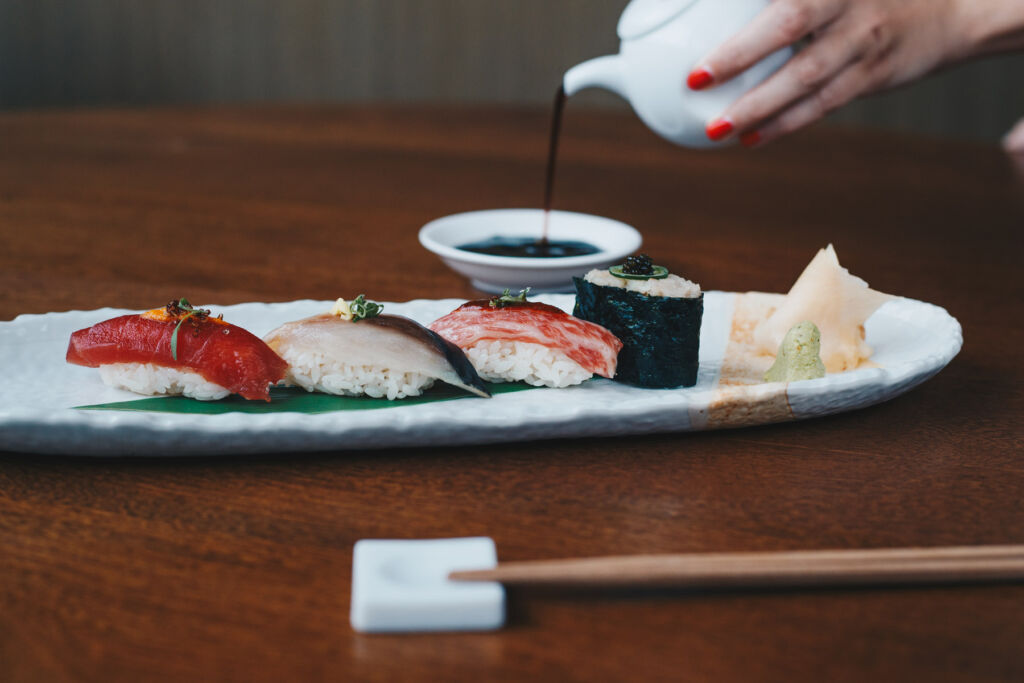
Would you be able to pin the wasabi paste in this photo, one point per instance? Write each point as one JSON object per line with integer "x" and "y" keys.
{"x": 799, "y": 355}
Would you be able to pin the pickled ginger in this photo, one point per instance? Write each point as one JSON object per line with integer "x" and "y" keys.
{"x": 838, "y": 302}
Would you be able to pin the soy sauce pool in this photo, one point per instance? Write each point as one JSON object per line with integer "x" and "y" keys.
{"x": 530, "y": 247}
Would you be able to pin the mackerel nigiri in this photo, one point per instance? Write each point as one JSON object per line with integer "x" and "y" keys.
{"x": 178, "y": 350}
{"x": 354, "y": 350}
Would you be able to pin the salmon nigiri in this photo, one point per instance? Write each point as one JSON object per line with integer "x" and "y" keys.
{"x": 510, "y": 339}
{"x": 178, "y": 350}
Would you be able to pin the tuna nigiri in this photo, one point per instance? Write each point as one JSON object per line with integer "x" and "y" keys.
{"x": 355, "y": 350}
{"x": 178, "y": 350}
{"x": 510, "y": 339}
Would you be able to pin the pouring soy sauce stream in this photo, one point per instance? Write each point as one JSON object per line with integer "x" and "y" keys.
{"x": 673, "y": 34}
{"x": 549, "y": 180}
{"x": 530, "y": 247}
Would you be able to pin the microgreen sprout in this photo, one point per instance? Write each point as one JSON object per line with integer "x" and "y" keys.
{"x": 362, "y": 309}
{"x": 183, "y": 310}
{"x": 507, "y": 298}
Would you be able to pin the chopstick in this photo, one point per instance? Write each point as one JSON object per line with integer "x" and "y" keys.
{"x": 956, "y": 564}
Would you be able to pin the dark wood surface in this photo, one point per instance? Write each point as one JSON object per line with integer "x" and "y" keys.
{"x": 238, "y": 568}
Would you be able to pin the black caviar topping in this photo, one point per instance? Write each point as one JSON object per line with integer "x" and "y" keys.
{"x": 640, "y": 264}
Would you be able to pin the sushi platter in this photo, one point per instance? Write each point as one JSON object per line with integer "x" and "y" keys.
{"x": 40, "y": 410}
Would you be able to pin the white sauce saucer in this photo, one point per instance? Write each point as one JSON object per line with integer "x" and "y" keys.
{"x": 615, "y": 240}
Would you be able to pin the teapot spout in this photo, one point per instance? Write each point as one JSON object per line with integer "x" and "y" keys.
{"x": 602, "y": 72}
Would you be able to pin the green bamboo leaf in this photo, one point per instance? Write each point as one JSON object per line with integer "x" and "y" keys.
{"x": 294, "y": 400}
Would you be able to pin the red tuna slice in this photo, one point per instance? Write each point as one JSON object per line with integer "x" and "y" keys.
{"x": 220, "y": 352}
{"x": 592, "y": 346}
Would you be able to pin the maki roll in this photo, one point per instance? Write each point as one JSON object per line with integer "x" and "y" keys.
{"x": 655, "y": 314}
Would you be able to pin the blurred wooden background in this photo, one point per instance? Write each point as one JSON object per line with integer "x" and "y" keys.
{"x": 139, "y": 52}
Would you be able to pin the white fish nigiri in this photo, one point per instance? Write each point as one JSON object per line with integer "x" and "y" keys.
{"x": 385, "y": 356}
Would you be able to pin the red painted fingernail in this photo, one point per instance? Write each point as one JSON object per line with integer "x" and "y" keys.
{"x": 719, "y": 128}
{"x": 750, "y": 139}
{"x": 699, "y": 78}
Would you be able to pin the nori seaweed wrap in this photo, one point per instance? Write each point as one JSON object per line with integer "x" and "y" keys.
{"x": 660, "y": 335}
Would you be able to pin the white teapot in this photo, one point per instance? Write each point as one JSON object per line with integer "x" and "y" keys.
{"x": 662, "y": 41}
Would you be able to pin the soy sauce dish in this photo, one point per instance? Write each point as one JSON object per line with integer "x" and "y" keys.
{"x": 452, "y": 237}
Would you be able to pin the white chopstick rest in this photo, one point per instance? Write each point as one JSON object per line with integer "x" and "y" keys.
{"x": 401, "y": 585}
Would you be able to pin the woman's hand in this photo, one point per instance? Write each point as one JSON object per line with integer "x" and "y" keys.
{"x": 1014, "y": 140}
{"x": 855, "y": 47}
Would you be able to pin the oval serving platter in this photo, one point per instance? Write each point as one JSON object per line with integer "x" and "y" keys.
{"x": 40, "y": 408}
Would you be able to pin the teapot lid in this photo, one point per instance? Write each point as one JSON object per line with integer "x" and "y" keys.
{"x": 643, "y": 16}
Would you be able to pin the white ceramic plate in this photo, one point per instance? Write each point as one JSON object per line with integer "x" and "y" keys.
{"x": 912, "y": 341}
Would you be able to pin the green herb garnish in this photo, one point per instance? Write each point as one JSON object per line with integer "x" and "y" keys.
{"x": 183, "y": 310}
{"x": 362, "y": 309}
{"x": 506, "y": 298}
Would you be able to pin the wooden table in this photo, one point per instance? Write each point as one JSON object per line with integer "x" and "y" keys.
{"x": 238, "y": 568}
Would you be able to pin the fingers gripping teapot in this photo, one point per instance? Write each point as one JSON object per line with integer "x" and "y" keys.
{"x": 662, "y": 41}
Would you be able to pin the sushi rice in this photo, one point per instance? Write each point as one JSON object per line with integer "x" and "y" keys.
{"x": 314, "y": 371}
{"x": 671, "y": 286}
{"x": 515, "y": 361}
{"x": 151, "y": 379}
